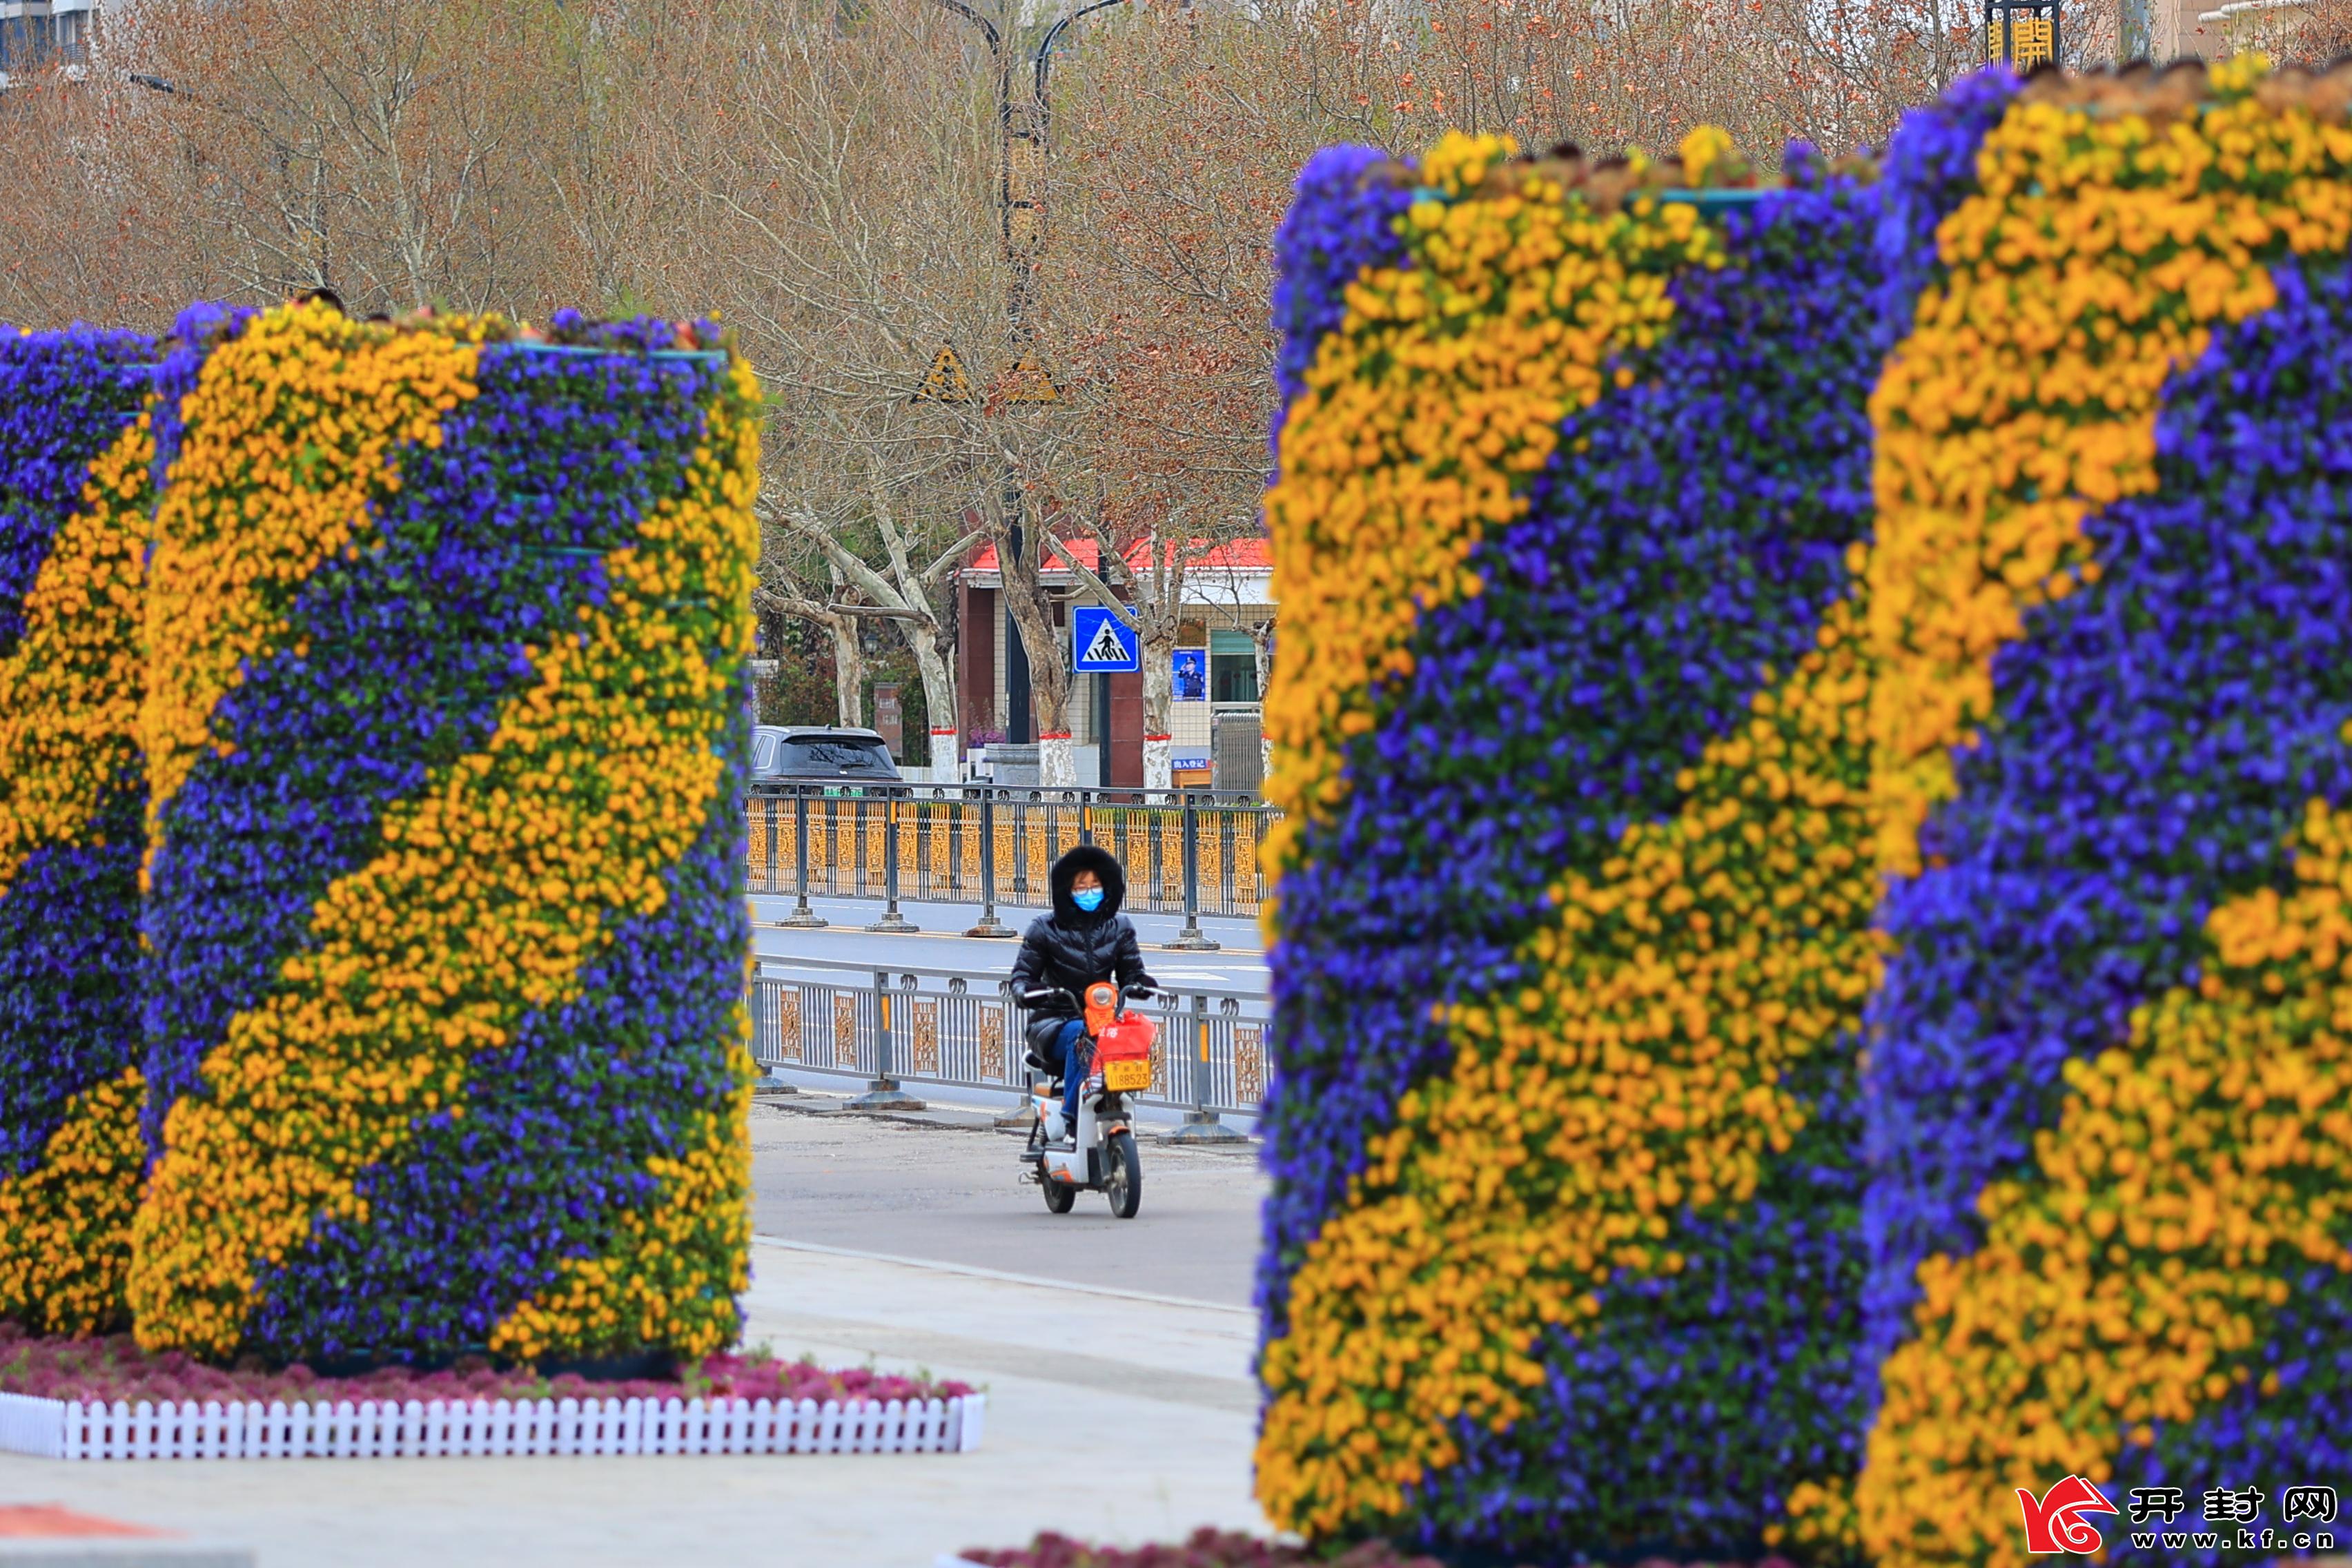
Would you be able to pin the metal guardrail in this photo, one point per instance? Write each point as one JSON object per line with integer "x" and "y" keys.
{"x": 1192, "y": 852}
{"x": 888, "y": 1025}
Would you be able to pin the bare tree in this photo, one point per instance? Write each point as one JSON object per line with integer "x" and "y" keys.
{"x": 381, "y": 148}
{"x": 403, "y": 154}
{"x": 785, "y": 592}
{"x": 874, "y": 555}
{"x": 854, "y": 184}
{"x": 848, "y": 224}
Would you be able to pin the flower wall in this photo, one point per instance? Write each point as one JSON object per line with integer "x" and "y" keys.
{"x": 2110, "y": 1093}
{"x": 75, "y": 444}
{"x": 445, "y": 1052}
{"x": 1897, "y": 609}
{"x": 1573, "y": 721}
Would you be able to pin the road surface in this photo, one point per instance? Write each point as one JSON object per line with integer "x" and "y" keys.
{"x": 955, "y": 1197}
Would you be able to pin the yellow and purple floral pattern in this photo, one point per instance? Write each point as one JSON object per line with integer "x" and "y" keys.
{"x": 75, "y": 445}
{"x": 445, "y": 1052}
{"x": 1809, "y": 960}
{"x": 1573, "y": 932}
{"x": 1422, "y": 419}
{"x": 2107, "y": 1093}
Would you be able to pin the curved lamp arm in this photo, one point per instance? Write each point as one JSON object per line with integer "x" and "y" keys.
{"x": 995, "y": 39}
{"x": 1046, "y": 49}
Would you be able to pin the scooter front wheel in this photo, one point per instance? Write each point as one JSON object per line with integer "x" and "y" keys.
{"x": 1122, "y": 1176}
{"x": 1059, "y": 1194}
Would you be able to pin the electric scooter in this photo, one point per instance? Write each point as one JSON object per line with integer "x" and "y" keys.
{"x": 1100, "y": 1155}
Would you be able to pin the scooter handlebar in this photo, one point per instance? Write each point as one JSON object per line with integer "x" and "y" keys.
{"x": 1040, "y": 995}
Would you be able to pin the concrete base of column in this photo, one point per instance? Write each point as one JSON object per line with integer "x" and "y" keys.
{"x": 886, "y": 1095}
{"x": 1202, "y": 1127}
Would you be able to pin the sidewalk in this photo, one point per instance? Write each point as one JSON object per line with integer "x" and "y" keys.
{"x": 1150, "y": 1399}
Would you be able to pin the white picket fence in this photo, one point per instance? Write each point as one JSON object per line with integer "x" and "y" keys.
{"x": 70, "y": 1429}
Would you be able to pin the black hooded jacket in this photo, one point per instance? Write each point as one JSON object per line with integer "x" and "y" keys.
{"x": 1073, "y": 948}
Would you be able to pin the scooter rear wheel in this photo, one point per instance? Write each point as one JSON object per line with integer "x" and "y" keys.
{"x": 1059, "y": 1194}
{"x": 1122, "y": 1176}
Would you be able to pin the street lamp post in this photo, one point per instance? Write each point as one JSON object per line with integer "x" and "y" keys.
{"x": 1016, "y": 310}
{"x": 1020, "y": 196}
{"x": 1021, "y": 218}
{"x": 1046, "y": 56}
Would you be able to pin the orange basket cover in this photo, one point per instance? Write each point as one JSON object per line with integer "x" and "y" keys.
{"x": 1129, "y": 1039}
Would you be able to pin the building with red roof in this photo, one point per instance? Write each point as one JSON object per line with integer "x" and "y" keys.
{"x": 1227, "y": 621}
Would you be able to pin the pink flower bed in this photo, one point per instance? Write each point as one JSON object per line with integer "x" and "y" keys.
{"x": 1207, "y": 1549}
{"x": 1222, "y": 1549}
{"x": 116, "y": 1368}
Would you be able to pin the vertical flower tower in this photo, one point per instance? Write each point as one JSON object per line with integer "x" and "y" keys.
{"x": 1810, "y": 947}
{"x": 445, "y": 735}
{"x": 1573, "y": 929}
{"x": 74, "y": 495}
{"x": 2110, "y": 1085}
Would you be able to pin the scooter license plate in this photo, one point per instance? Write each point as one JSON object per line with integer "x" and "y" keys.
{"x": 1121, "y": 1077}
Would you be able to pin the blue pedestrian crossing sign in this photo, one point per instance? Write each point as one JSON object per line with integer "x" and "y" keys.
{"x": 1102, "y": 642}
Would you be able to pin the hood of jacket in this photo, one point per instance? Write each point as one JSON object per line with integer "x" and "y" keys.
{"x": 1103, "y": 864}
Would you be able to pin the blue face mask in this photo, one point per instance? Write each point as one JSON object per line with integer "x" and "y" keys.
{"x": 1088, "y": 898}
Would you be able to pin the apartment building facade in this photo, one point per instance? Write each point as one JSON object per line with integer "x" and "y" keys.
{"x": 34, "y": 34}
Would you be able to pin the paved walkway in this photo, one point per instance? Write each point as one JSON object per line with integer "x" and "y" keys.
{"x": 1148, "y": 1398}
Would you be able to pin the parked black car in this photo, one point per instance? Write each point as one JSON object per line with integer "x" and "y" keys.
{"x": 843, "y": 759}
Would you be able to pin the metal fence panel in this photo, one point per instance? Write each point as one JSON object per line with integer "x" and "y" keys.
{"x": 844, "y": 842}
{"x": 966, "y": 1030}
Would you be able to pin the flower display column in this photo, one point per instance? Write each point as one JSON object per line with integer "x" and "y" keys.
{"x": 446, "y": 1051}
{"x": 2110, "y": 1086}
{"x": 75, "y": 448}
{"x": 1812, "y": 937}
{"x": 1572, "y": 930}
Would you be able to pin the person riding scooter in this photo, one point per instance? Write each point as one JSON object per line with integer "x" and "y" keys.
{"x": 1086, "y": 939}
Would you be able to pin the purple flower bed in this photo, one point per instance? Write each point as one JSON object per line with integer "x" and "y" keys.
{"x": 115, "y": 1368}
{"x": 69, "y": 887}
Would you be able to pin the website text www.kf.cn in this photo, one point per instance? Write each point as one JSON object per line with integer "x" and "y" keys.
{"x": 2264, "y": 1540}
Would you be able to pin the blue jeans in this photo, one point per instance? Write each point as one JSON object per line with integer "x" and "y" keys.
{"x": 1070, "y": 1061}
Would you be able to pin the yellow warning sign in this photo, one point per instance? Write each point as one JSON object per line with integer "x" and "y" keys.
{"x": 1030, "y": 382}
{"x": 947, "y": 382}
